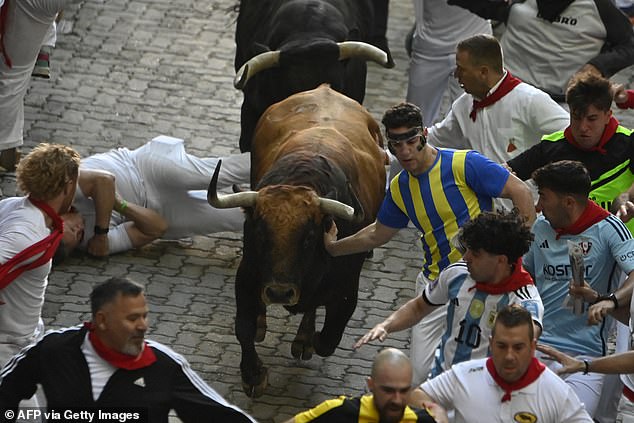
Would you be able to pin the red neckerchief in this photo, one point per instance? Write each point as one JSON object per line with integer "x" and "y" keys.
{"x": 117, "y": 359}
{"x": 591, "y": 215}
{"x": 508, "y": 83}
{"x": 15, "y": 266}
{"x": 629, "y": 103}
{"x": 519, "y": 278}
{"x": 535, "y": 368}
{"x": 4, "y": 11}
{"x": 608, "y": 132}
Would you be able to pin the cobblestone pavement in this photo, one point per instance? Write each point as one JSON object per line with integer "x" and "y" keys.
{"x": 128, "y": 70}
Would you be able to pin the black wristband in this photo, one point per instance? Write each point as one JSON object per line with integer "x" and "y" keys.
{"x": 586, "y": 366}
{"x": 611, "y": 297}
{"x": 101, "y": 231}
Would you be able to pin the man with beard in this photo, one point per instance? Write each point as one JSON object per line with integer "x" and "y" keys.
{"x": 571, "y": 220}
{"x": 108, "y": 365}
{"x": 390, "y": 385}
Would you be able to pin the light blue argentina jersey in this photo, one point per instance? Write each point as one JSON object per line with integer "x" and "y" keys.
{"x": 471, "y": 313}
{"x": 608, "y": 248}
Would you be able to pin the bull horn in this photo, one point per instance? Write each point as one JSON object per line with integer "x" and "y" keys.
{"x": 349, "y": 49}
{"x": 336, "y": 208}
{"x": 254, "y": 65}
{"x": 240, "y": 199}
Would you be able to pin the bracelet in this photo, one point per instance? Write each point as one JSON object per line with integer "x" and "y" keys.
{"x": 611, "y": 297}
{"x": 586, "y": 366}
{"x": 122, "y": 205}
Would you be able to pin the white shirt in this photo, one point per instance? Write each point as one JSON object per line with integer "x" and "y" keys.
{"x": 22, "y": 225}
{"x": 504, "y": 129}
{"x": 470, "y": 390}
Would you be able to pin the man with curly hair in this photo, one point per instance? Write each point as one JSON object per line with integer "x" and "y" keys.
{"x": 30, "y": 230}
{"x": 489, "y": 277}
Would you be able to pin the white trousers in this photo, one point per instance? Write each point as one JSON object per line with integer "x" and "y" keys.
{"x": 429, "y": 78}
{"x": 426, "y": 337}
{"x": 625, "y": 413}
{"x": 176, "y": 185}
{"x": 26, "y": 26}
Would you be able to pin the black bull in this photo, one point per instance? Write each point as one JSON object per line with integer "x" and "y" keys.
{"x": 284, "y": 47}
{"x": 316, "y": 156}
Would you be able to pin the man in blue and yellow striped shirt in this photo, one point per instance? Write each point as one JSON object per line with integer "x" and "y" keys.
{"x": 438, "y": 190}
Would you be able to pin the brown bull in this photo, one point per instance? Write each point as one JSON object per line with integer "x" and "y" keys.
{"x": 316, "y": 156}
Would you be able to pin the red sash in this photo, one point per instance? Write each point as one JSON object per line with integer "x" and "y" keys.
{"x": 519, "y": 278}
{"x": 117, "y": 359}
{"x": 610, "y": 130}
{"x": 505, "y": 87}
{"x": 591, "y": 215}
{"x": 15, "y": 266}
{"x": 535, "y": 369}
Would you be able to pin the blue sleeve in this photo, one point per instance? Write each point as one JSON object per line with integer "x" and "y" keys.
{"x": 484, "y": 176}
{"x": 390, "y": 215}
{"x": 621, "y": 243}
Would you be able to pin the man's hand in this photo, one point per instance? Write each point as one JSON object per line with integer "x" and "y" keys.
{"x": 330, "y": 237}
{"x": 598, "y": 311}
{"x": 570, "y": 364}
{"x": 438, "y": 413}
{"x": 98, "y": 245}
{"x": 588, "y": 294}
{"x": 378, "y": 332}
{"x": 625, "y": 211}
{"x": 619, "y": 93}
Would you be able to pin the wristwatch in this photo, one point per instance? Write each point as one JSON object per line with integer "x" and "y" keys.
{"x": 101, "y": 231}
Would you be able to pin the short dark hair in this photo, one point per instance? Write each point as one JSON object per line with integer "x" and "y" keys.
{"x": 107, "y": 292}
{"x": 498, "y": 232}
{"x": 483, "y": 49}
{"x": 587, "y": 89}
{"x": 513, "y": 316}
{"x": 564, "y": 177}
{"x": 403, "y": 114}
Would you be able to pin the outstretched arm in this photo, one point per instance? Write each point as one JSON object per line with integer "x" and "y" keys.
{"x": 372, "y": 236}
{"x": 405, "y": 317}
{"x": 621, "y": 363}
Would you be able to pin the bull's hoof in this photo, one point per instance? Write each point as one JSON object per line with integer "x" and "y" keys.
{"x": 302, "y": 350}
{"x": 256, "y": 390}
{"x": 260, "y": 330}
{"x": 320, "y": 348}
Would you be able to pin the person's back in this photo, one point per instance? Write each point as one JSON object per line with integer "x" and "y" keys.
{"x": 547, "y": 42}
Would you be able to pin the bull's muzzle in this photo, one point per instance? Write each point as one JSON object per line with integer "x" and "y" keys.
{"x": 277, "y": 293}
